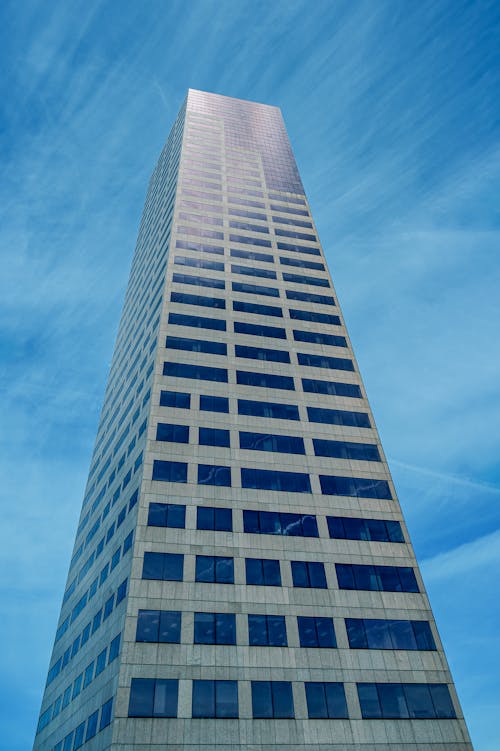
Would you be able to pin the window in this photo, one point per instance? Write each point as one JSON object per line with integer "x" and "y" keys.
{"x": 338, "y": 417}
{"x": 211, "y": 474}
{"x": 253, "y": 329}
{"x": 310, "y": 574}
{"x": 288, "y": 210}
{"x": 201, "y": 281}
{"x": 215, "y": 699}
{"x": 299, "y": 248}
{"x": 267, "y": 479}
{"x": 292, "y": 222}
{"x": 88, "y": 675}
{"x": 405, "y": 700}
{"x": 254, "y": 289}
{"x": 207, "y": 302}
{"x": 153, "y": 697}
{"x": 163, "y": 566}
{"x": 92, "y": 725}
{"x": 214, "y": 249}
{"x": 280, "y": 523}
{"x": 213, "y": 437}
{"x": 291, "y": 233}
{"x": 214, "y": 628}
{"x": 214, "y": 568}
{"x": 376, "y": 578}
{"x": 175, "y": 399}
{"x": 259, "y": 310}
{"x": 218, "y": 519}
{"x": 172, "y": 433}
{"x": 252, "y": 255}
{"x": 389, "y": 634}
{"x": 332, "y": 388}
{"x": 326, "y": 700}
{"x": 260, "y": 353}
{"x": 249, "y": 227}
{"x": 310, "y": 280}
{"x": 309, "y": 297}
{"x": 258, "y": 241}
{"x": 367, "y": 452}
{"x": 156, "y": 626}
{"x": 198, "y": 372}
{"x": 198, "y": 263}
{"x": 312, "y": 315}
{"x": 169, "y": 471}
{"x": 357, "y": 487}
{"x": 322, "y": 361}
{"x": 100, "y": 662}
{"x": 218, "y": 324}
{"x": 272, "y": 700}
{"x": 316, "y": 632}
{"x": 285, "y": 444}
{"x": 268, "y": 409}
{"x": 316, "y": 337}
{"x": 214, "y": 403}
{"x": 263, "y": 571}
{"x": 114, "y": 648}
{"x": 167, "y": 515}
{"x": 79, "y": 733}
{"x": 349, "y": 528}
{"x": 315, "y": 265}
{"x": 196, "y": 345}
{"x": 267, "y": 631}
{"x": 250, "y": 271}
{"x": 264, "y": 380}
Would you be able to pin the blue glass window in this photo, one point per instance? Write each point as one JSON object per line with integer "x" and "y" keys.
{"x": 315, "y": 337}
{"x": 202, "y": 247}
{"x": 290, "y": 210}
{"x": 153, "y": 697}
{"x": 92, "y": 725}
{"x": 215, "y": 699}
{"x": 309, "y": 297}
{"x": 298, "y": 248}
{"x": 199, "y": 263}
{"x": 207, "y": 302}
{"x": 358, "y": 487}
{"x": 217, "y": 519}
{"x": 200, "y": 322}
{"x": 214, "y": 403}
{"x": 214, "y": 628}
{"x": 106, "y": 713}
{"x": 280, "y": 523}
{"x": 169, "y": 471}
{"x": 256, "y": 309}
{"x": 312, "y": 315}
{"x": 198, "y": 372}
{"x": 253, "y": 329}
{"x": 285, "y": 261}
{"x": 292, "y": 222}
{"x": 322, "y": 361}
{"x": 309, "y": 574}
{"x": 266, "y": 479}
{"x": 212, "y": 474}
{"x": 376, "y": 578}
{"x": 249, "y": 227}
{"x": 114, "y": 648}
{"x": 267, "y": 631}
{"x": 310, "y": 280}
{"x": 286, "y": 444}
{"x": 332, "y": 388}
{"x": 255, "y": 289}
{"x": 268, "y": 409}
{"x": 351, "y": 528}
{"x": 249, "y": 271}
{"x": 405, "y": 700}
{"x": 259, "y": 241}
{"x": 214, "y": 568}
{"x": 263, "y": 571}
{"x": 338, "y": 417}
{"x": 163, "y": 566}
{"x": 265, "y": 380}
{"x": 272, "y": 700}
{"x": 252, "y": 255}
{"x": 248, "y": 214}
{"x": 159, "y": 626}
{"x": 167, "y": 515}
{"x": 261, "y": 353}
{"x": 389, "y": 634}
{"x": 326, "y": 700}
{"x": 367, "y": 452}
{"x": 200, "y": 281}
{"x": 172, "y": 433}
{"x": 196, "y": 345}
{"x": 298, "y": 235}
{"x": 213, "y": 437}
{"x": 316, "y": 632}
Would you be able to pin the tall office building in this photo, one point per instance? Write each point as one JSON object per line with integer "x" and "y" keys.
{"x": 242, "y": 576}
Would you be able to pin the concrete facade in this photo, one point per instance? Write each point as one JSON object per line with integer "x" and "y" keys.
{"x": 227, "y": 185}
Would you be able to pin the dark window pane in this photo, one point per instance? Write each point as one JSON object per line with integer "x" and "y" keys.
{"x": 257, "y": 630}
{"x": 205, "y": 568}
{"x": 205, "y": 517}
{"x": 336, "y": 527}
{"x": 223, "y": 520}
{"x": 317, "y": 575}
{"x": 226, "y": 699}
{"x": 316, "y": 700}
{"x": 378, "y": 635}
{"x": 213, "y": 437}
{"x": 345, "y": 576}
{"x": 419, "y": 701}
{"x": 262, "y": 702}
{"x": 152, "y": 566}
{"x": 254, "y": 572}
{"x": 172, "y": 433}
{"x": 394, "y": 531}
{"x": 300, "y": 574}
{"x": 441, "y": 699}
{"x": 173, "y": 565}
{"x": 272, "y": 574}
{"x": 392, "y": 700}
{"x": 307, "y": 631}
{"x": 203, "y": 699}
{"x": 356, "y": 633}
{"x": 369, "y": 701}
{"x": 326, "y": 632}
{"x": 176, "y": 515}
{"x": 224, "y": 570}
{"x": 423, "y": 635}
{"x": 170, "y": 627}
{"x": 157, "y": 516}
{"x": 148, "y": 624}
{"x": 282, "y": 699}
{"x": 276, "y": 627}
{"x": 402, "y": 635}
{"x": 408, "y": 579}
{"x": 169, "y": 471}
{"x": 225, "y": 628}
{"x": 141, "y": 697}
{"x": 214, "y": 403}
{"x": 165, "y": 701}
{"x": 204, "y": 628}
{"x": 251, "y": 521}
{"x": 210, "y": 474}
{"x": 175, "y": 399}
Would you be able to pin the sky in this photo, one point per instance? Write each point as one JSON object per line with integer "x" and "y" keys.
{"x": 392, "y": 108}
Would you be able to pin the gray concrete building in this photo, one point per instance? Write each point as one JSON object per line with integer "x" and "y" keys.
{"x": 242, "y": 576}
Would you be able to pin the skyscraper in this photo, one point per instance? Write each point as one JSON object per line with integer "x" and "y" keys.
{"x": 242, "y": 576}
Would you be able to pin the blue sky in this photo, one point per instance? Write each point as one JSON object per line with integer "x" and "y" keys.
{"x": 393, "y": 111}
